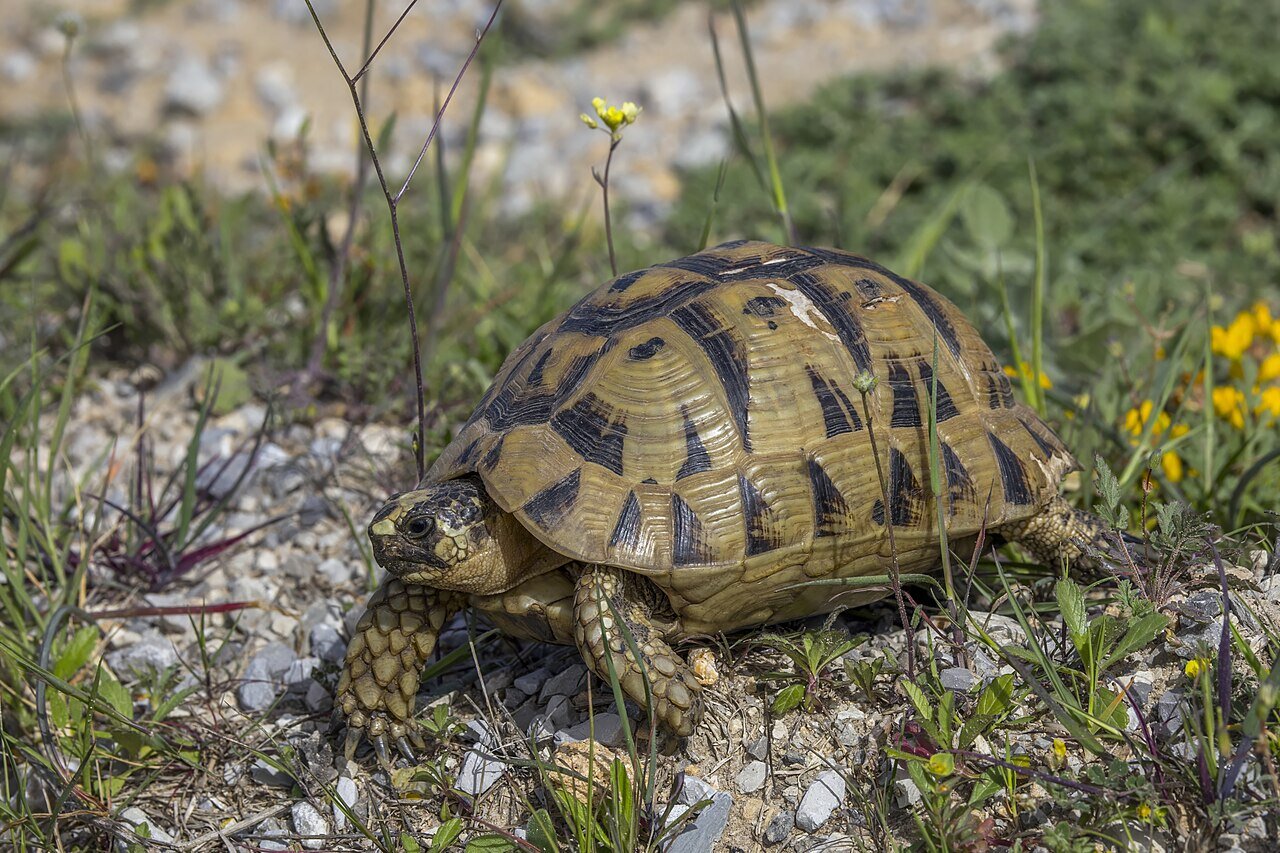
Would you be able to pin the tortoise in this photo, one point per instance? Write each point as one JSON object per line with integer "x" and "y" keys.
{"x": 680, "y": 452}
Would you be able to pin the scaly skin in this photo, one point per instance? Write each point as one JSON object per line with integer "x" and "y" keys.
{"x": 601, "y": 596}
{"x": 1061, "y": 533}
{"x": 390, "y": 646}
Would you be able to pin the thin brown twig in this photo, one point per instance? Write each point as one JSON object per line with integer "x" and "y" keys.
{"x": 337, "y": 272}
{"x": 393, "y": 200}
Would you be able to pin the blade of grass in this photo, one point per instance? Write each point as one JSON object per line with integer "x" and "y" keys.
{"x": 1037, "y": 294}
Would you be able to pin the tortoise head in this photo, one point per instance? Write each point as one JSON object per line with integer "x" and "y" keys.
{"x": 449, "y": 535}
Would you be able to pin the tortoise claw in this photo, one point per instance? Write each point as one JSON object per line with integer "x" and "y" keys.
{"x": 380, "y": 748}
{"x": 352, "y": 741}
{"x": 402, "y": 743}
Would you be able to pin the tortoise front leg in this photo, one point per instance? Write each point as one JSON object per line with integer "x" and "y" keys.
{"x": 609, "y": 605}
{"x": 387, "y": 652}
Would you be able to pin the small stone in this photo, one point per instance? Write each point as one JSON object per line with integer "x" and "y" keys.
{"x": 751, "y": 777}
{"x": 958, "y": 679}
{"x": 531, "y": 682}
{"x": 906, "y": 794}
{"x": 479, "y": 772}
{"x": 193, "y": 87}
{"x": 820, "y": 800}
{"x": 1202, "y": 607}
{"x": 568, "y": 682}
{"x": 705, "y": 828}
{"x": 265, "y": 774}
{"x": 298, "y": 676}
{"x": 336, "y": 572}
{"x": 608, "y": 730}
{"x": 327, "y": 644}
{"x": 759, "y": 748}
{"x": 138, "y": 818}
{"x": 349, "y": 795}
{"x": 310, "y": 824}
{"x": 779, "y": 829}
{"x": 317, "y": 699}
{"x": 152, "y": 653}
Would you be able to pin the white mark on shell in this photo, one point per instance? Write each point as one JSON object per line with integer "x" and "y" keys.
{"x": 803, "y": 309}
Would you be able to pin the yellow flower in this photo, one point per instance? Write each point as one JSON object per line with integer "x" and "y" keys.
{"x": 1027, "y": 372}
{"x": 942, "y": 764}
{"x": 1228, "y": 402}
{"x": 613, "y": 118}
{"x": 1144, "y": 812}
{"x": 1195, "y": 666}
{"x": 1269, "y": 369}
{"x": 1171, "y": 464}
{"x": 1269, "y": 402}
{"x": 1233, "y": 340}
{"x": 1136, "y": 420}
{"x": 1262, "y": 321}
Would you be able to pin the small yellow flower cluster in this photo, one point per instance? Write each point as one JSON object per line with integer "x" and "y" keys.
{"x": 1026, "y": 372}
{"x": 1195, "y": 666}
{"x": 613, "y": 118}
{"x": 1135, "y": 421}
{"x": 1256, "y": 334}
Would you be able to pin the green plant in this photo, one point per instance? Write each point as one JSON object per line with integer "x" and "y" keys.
{"x": 811, "y": 654}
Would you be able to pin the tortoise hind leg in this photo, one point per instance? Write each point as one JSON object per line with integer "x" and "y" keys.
{"x": 1061, "y": 533}
{"x": 609, "y": 605}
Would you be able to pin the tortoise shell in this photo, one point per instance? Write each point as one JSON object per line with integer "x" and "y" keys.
{"x": 699, "y": 419}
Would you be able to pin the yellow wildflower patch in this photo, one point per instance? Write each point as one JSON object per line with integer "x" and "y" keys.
{"x": 1228, "y": 402}
{"x": 1027, "y": 373}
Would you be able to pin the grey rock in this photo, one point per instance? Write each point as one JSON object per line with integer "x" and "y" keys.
{"x": 751, "y": 777}
{"x": 705, "y": 828}
{"x": 220, "y": 477}
{"x": 298, "y": 676}
{"x": 193, "y": 87}
{"x": 779, "y": 829}
{"x": 310, "y": 824}
{"x": 794, "y": 758}
{"x": 327, "y": 644}
{"x": 263, "y": 676}
{"x": 957, "y": 678}
{"x": 1166, "y": 717}
{"x": 608, "y": 731}
{"x": 531, "y": 683}
{"x": 349, "y": 795}
{"x": 479, "y": 772}
{"x": 820, "y": 800}
{"x": 152, "y": 653}
{"x": 264, "y": 774}
{"x": 567, "y": 682}
{"x": 759, "y": 748}
{"x": 17, "y": 66}
{"x": 905, "y": 793}
{"x": 317, "y": 698}
{"x": 559, "y": 712}
{"x": 336, "y": 572}
{"x": 1204, "y": 606}
{"x": 137, "y": 818}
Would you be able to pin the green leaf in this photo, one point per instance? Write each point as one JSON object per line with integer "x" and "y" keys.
{"x": 1141, "y": 632}
{"x": 976, "y": 725}
{"x": 997, "y": 698}
{"x": 114, "y": 694}
{"x": 447, "y": 834}
{"x": 409, "y": 844}
{"x": 1071, "y": 603}
{"x": 542, "y": 832}
{"x": 76, "y": 652}
{"x": 788, "y": 698}
{"x": 918, "y": 699}
{"x": 492, "y": 843}
{"x": 986, "y": 216}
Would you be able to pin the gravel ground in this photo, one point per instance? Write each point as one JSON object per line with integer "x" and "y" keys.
{"x": 271, "y": 772}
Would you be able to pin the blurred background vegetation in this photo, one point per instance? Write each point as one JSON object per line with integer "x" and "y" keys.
{"x": 1151, "y": 125}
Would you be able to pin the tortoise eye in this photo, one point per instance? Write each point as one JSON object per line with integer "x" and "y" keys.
{"x": 419, "y": 527}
